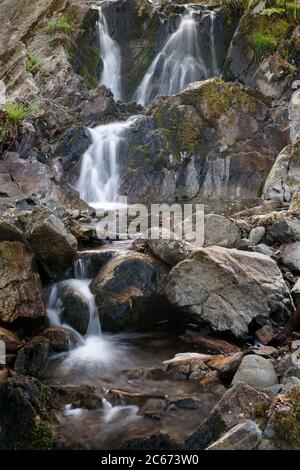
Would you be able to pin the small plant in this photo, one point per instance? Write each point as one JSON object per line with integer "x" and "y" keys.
{"x": 18, "y": 111}
{"x": 11, "y": 116}
{"x": 33, "y": 65}
{"x": 273, "y": 12}
{"x": 60, "y": 25}
{"x": 263, "y": 44}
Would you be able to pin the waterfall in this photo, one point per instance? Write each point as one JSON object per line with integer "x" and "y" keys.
{"x": 99, "y": 175}
{"x": 81, "y": 286}
{"x": 178, "y": 64}
{"x": 111, "y": 57}
{"x": 212, "y": 43}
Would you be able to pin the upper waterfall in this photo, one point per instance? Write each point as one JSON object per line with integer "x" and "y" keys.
{"x": 111, "y": 56}
{"x": 180, "y": 62}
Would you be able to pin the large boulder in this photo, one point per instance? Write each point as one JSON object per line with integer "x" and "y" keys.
{"x": 227, "y": 288}
{"x": 50, "y": 240}
{"x": 128, "y": 294}
{"x": 20, "y": 286}
{"x": 257, "y": 372}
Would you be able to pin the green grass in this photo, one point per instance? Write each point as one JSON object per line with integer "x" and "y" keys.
{"x": 263, "y": 44}
{"x": 33, "y": 65}
{"x": 273, "y": 12}
{"x": 60, "y": 25}
{"x": 18, "y": 111}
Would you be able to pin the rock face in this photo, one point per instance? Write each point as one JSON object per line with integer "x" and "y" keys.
{"x": 20, "y": 286}
{"x": 243, "y": 436}
{"x": 237, "y": 405}
{"x": 50, "y": 240}
{"x": 127, "y": 293}
{"x": 226, "y": 288}
{"x": 257, "y": 372}
{"x": 202, "y": 142}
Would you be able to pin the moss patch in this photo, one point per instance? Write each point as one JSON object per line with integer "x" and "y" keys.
{"x": 287, "y": 424}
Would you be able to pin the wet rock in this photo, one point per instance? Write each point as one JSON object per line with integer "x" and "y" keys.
{"x": 209, "y": 344}
{"x": 32, "y": 358}
{"x": 20, "y": 287}
{"x": 244, "y": 245}
{"x": 226, "y": 288}
{"x": 286, "y": 231}
{"x": 243, "y": 436}
{"x": 256, "y": 235}
{"x": 60, "y": 339}
{"x": 26, "y": 403}
{"x": 221, "y": 231}
{"x": 50, "y": 240}
{"x": 237, "y": 405}
{"x": 127, "y": 293}
{"x": 257, "y": 372}
{"x": 76, "y": 310}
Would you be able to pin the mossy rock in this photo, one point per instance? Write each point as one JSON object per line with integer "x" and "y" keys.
{"x": 287, "y": 424}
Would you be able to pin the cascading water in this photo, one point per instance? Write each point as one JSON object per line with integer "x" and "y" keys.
{"x": 111, "y": 57}
{"x": 212, "y": 43}
{"x": 96, "y": 351}
{"x": 178, "y": 64}
{"x": 99, "y": 175}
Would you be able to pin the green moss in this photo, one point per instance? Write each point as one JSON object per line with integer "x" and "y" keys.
{"x": 261, "y": 414}
{"x": 42, "y": 437}
{"x": 189, "y": 131}
{"x": 263, "y": 44}
{"x": 287, "y": 424}
{"x": 199, "y": 255}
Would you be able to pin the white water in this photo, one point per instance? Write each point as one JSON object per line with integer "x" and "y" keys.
{"x": 111, "y": 56}
{"x": 212, "y": 43}
{"x": 119, "y": 415}
{"x": 177, "y": 65}
{"x": 97, "y": 352}
{"x": 100, "y": 166}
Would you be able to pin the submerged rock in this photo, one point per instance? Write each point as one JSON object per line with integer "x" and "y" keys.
{"x": 227, "y": 288}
